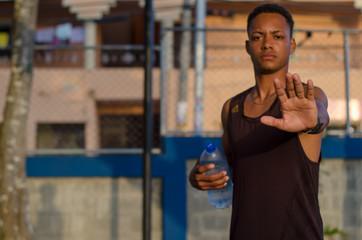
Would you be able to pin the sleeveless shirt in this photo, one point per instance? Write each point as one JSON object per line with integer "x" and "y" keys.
{"x": 275, "y": 183}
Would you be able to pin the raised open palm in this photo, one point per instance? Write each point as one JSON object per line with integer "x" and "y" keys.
{"x": 298, "y": 107}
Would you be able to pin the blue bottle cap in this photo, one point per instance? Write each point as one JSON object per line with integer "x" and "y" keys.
{"x": 210, "y": 147}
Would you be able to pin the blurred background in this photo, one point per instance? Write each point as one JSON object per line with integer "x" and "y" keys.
{"x": 86, "y": 113}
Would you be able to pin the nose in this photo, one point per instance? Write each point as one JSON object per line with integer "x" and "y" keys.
{"x": 267, "y": 43}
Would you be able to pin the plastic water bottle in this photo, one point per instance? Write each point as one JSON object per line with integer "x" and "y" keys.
{"x": 218, "y": 198}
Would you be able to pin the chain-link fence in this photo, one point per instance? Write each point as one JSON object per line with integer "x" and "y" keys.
{"x": 96, "y": 105}
{"x": 331, "y": 58}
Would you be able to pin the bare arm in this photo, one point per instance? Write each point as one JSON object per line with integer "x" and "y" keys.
{"x": 322, "y": 106}
{"x": 301, "y": 107}
{"x": 311, "y": 143}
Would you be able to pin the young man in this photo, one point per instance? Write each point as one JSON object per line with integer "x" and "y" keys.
{"x": 272, "y": 138}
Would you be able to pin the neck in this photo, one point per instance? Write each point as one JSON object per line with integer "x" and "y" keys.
{"x": 264, "y": 83}
{"x": 257, "y": 99}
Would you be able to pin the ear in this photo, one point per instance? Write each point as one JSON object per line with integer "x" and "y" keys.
{"x": 247, "y": 46}
{"x": 293, "y": 46}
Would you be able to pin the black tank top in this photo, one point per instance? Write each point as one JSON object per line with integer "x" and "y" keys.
{"x": 275, "y": 183}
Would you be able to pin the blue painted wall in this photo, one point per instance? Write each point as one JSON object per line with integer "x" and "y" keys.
{"x": 170, "y": 166}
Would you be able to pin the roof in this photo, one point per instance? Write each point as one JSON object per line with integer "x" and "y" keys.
{"x": 55, "y": 11}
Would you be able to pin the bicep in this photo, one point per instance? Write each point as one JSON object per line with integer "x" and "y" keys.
{"x": 322, "y": 105}
{"x": 319, "y": 95}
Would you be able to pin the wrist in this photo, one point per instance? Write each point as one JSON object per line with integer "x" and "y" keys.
{"x": 316, "y": 129}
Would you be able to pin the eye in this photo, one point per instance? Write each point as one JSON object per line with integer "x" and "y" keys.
{"x": 278, "y": 37}
{"x": 257, "y": 37}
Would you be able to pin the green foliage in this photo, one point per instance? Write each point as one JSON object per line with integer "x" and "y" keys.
{"x": 334, "y": 231}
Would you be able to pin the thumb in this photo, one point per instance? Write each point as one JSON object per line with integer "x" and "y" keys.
{"x": 204, "y": 168}
{"x": 272, "y": 122}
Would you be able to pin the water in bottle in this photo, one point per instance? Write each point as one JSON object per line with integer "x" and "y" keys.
{"x": 219, "y": 198}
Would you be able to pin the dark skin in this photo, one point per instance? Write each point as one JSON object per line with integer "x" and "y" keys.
{"x": 269, "y": 46}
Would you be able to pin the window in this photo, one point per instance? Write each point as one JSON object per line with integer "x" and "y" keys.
{"x": 121, "y": 124}
{"x": 131, "y": 55}
{"x": 60, "y": 136}
{"x": 65, "y": 35}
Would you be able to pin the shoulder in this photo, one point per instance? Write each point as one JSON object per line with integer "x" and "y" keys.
{"x": 319, "y": 94}
{"x": 233, "y": 104}
{"x": 242, "y": 94}
{"x": 237, "y": 98}
{"x": 225, "y": 111}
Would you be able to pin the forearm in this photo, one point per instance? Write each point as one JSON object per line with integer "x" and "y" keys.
{"x": 323, "y": 117}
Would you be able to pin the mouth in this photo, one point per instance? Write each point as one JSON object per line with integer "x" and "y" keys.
{"x": 268, "y": 57}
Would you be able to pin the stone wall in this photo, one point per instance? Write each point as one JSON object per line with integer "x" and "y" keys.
{"x": 91, "y": 208}
{"x": 203, "y": 221}
{"x": 340, "y": 197}
{"x": 111, "y": 208}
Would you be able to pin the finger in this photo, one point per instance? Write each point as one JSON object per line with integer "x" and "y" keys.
{"x": 299, "y": 89}
{"x": 272, "y": 122}
{"x": 215, "y": 187}
{"x": 290, "y": 85}
{"x": 212, "y": 177}
{"x": 310, "y": 90}
{"x": 220, "y": 183}
{"x": 205, "y": 168}
{"x": 280, "y": 91}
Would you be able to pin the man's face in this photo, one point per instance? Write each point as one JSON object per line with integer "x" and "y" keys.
{"x": 270, "y": 43}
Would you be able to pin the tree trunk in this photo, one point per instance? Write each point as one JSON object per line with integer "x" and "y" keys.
{"x": 14, "y": 216}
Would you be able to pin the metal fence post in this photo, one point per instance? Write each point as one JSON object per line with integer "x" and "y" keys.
{"x": 162, "y": 85}
{"x": 346, "y": 71}
{"x": 148, "y": 115}
{"x": 199, "y": 65}
{"x": 185, "y": 50}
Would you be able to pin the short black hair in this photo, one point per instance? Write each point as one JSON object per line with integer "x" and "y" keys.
{"x": 272, "y": 8}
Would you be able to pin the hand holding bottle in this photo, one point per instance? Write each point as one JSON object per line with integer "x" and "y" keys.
{"x": 200, "y": 180}
{"x": 212, "y": 173}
